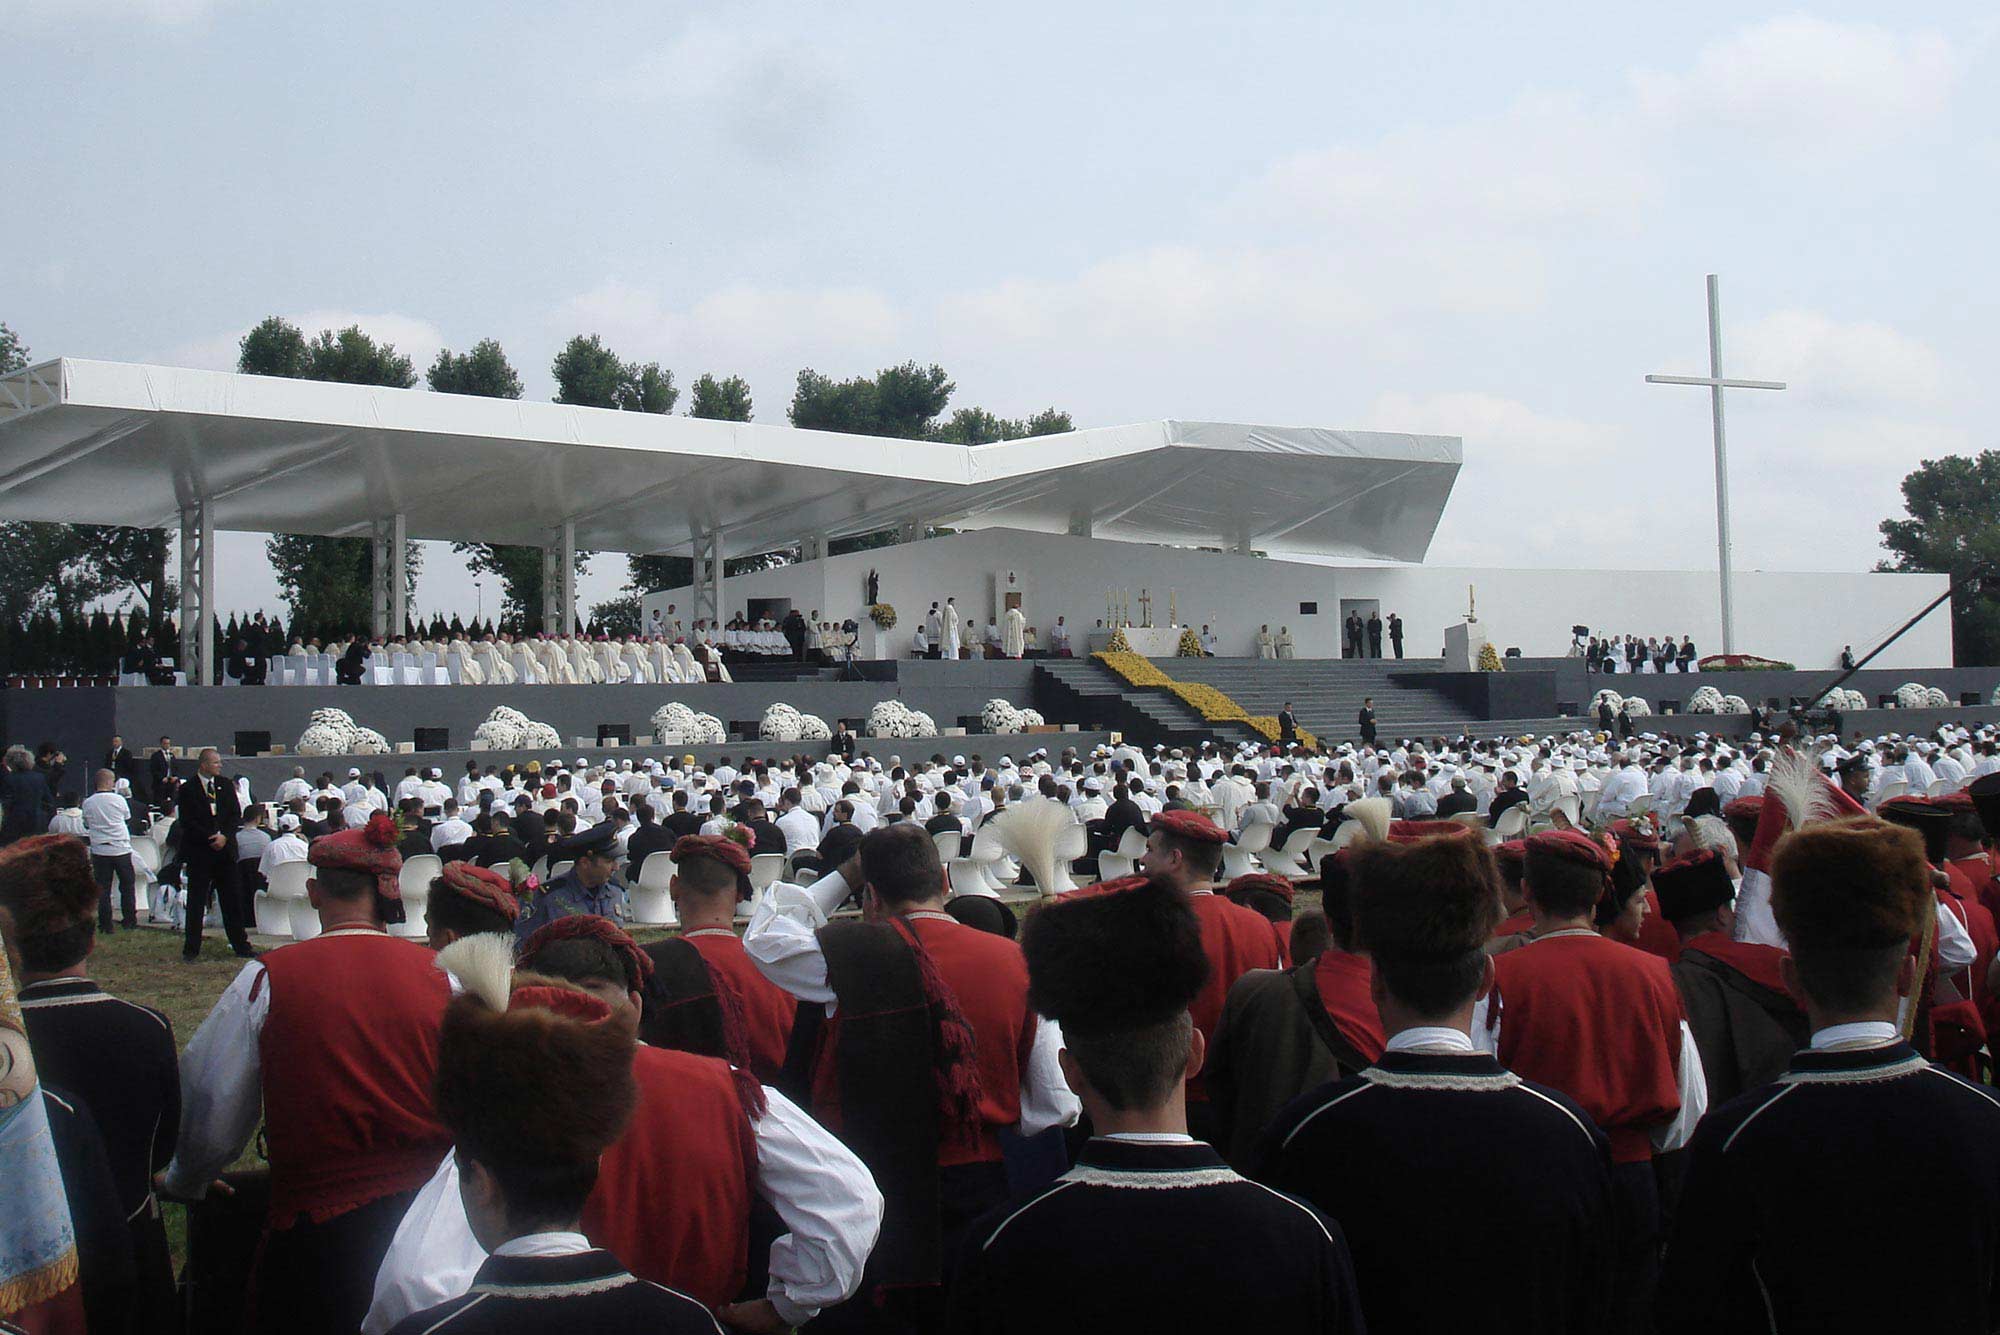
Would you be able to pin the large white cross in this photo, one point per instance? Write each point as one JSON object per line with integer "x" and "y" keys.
{"x": 1716, "y": 383}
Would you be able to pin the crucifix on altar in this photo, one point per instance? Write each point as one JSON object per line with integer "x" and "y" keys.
{"x": 1145, "y": 608}
{"x": 1715, "y": 383}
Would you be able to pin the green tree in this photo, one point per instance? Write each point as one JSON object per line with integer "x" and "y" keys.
{"x": 593, "y": 376}
{"x": 485, "y": 371}
{"x": 1953, "y": 528}
{"x": 327, "y": 582}
{"x": 274, "y": 347}
{"x": 13, "y": 352}
{"x": 900, "y": 401}
{"x": 976, "y": 426}
{"x": 519, "y": 570}
{"x": 617, "y": 616}
{"x": 720, "y": 400}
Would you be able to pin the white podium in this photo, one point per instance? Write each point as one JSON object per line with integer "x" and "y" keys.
{"x": 1462, "y": 642}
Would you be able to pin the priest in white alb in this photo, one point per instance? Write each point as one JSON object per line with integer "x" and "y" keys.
{"x": 1014, "y": 637}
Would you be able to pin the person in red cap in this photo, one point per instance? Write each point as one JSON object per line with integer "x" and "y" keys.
{"x": 674, "y": 1198}
{"x": 1285, "y": 1031}
{"x": 1184, "y": 850}
{"x": 1861, "y": 1190}
{"x": 1744, "y": 1022}
{"x": 1639, "y": 844}
{"x": 1950, "y": 1027}
{"x": 467, "y": 900}
{"x": 706, "y": 984}
{"x": 1601, "y": 1022}
{"x": 334, "y": 1042}
{"x": 921, "y": 1047}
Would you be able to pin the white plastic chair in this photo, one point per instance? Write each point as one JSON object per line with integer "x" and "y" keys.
{"x": 765, "y": 870}
{"x": 1122, "y": 860}
{"x": 1892, "y": 789}
{"x": 273, "y": 917}
{"x": 1513, "y": 822}
{"x": 648, "y": 896}
{"x": 949, "y": 844}
{"x": 1240, "y": 858}
{"x": 1289, "y": 861}
{"x": 559, "y": 868}
{"x": 288, "y": 887}
{"x": 1943, "y": 788}
{"x": 415, "y": 881}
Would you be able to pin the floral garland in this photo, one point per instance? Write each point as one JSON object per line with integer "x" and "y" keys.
{"x": 1489, "y": 658}
{"x": 1118, "y": 643}
{"x": 1133, "y": 668}
{"x": 1190, "y": 644}
{"x": 1213, "y": 705}
{"x": 883, "y": 615}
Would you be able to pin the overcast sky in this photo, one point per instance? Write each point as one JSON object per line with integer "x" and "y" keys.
{"x": 1482, "y": 220}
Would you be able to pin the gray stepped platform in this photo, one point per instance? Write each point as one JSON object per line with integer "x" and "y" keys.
{"x": 1326, "y": 694}
{"x": 1091, "y": 694}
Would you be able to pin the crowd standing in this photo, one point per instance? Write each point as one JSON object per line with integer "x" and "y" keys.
{"x": 1586, "y": 1034}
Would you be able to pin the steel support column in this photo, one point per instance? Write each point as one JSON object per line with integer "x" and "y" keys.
{"x": 390, "y": 611}
{"x": 197, "y": 595}
{"x": 559, "y": 580}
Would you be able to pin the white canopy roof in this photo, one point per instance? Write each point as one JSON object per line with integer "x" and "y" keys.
{"x": 117, "y": 443}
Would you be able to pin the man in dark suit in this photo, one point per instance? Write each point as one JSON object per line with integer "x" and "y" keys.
{"x": 121, "y": 762}
{"x": 160, "y": 771}
{"x": 1354, "y": 634}
{"x": 1366, "y": 718}
{"x": 1396, "y": 633}
{"x": 650, "y": 837}
{"x": 766, "y": 835}
{"x": 499, "y": 845}
{"x": 530, "y": 827}
{"x": 843, "y": 742}
{"x": 1510, "y": 794}
{"x": 681, "y": 822}
{"x": 1288, "y": 724}
{"x": 1374, "y": 634}
{"x": 28, "y": 804}
{"x": 209, "y": 817}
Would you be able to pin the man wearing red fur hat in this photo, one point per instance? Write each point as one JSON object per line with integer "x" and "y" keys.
{"x": 1601, "y": 1022}
{"x": 334, "y": 1042}
{"x": 707, "y": 984}
{"x": 1184, "y": 850}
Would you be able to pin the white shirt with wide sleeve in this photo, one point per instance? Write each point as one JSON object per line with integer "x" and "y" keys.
{"x": 829, "y": 1204}
{"x": 782, "y": 939}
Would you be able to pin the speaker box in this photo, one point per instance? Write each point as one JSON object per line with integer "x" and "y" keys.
{"x": 433, "y": 739}
{"x": 252, "y": 743}
{"x": 614, "y": 734}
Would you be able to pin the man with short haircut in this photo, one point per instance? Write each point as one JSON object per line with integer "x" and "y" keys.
{"x": 1184, "y": 851}
{"x": 450, "y": 832}
{"x": 332, "y": 1044}
{"x": 1798, "y": 1209}
{"x": 1436, "y": 1142}
{"x": 108, "y": 832}
{"x": 469, "y": 900}
{"x": 931, "y": 1048}
{"x": 797, "y": 825}
{"x": 681, "y": 822}
{"x": 535, "y": 1083}
{"x": 1150, "y": 1231}
{"x": 209, "y": 818}
{"x": 590, "y": 886}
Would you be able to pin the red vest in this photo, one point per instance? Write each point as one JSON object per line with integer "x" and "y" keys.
{"x": 988, "y": 979}
{"x": 767, "y": 1008}
{"x": 348, "y": 1052}
{"x": 1236, "y": 940}
{"x": 1599, "y": 1021}
{"x": 1343, "y": 981}
{"x": 1656, "y": 935}
{"x": 672, "y": 1199}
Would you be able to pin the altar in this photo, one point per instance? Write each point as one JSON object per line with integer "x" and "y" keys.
{"x": 1146, "y": 641}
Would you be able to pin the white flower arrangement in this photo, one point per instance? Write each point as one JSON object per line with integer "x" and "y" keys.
{"x": 1936, "y": 699}
{"x": 1996, "y": 696}
{"x": 333, "y": 732}
{"x": 1912, "y": 695}
{"x": 507, "y": 729}
{"x": 1706, "y": 700}
{"x": 674, "y": 724}
{"x": 892, "y": 718}
{"x": 782, "y": 723}
{"x": 1637, "y": 707}
{"x": 1607, "y": 696}
{"x": 1845, "y": 700}
{"x": 1733, "y": 704}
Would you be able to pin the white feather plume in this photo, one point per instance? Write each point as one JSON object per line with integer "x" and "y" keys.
{"x": 483, "y": 965}
{"x": 1373, "y": 814}
{"x": 1795, "y": 781}
{"x": 1029, "y": 831}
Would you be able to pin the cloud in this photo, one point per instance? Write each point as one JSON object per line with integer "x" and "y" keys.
{"x": 414, "y": 337}
{"x": 769, "y": 92}
{"x": 1808, "y": 84}
{"x": 1831, "y": 363}
{"x": 167, "y": 13}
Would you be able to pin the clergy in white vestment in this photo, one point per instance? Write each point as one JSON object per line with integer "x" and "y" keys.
{"x": 1284, "y": 642}
{"x": 1267, "y": 647}
{"x": 1014, "y": 640}
{"x": 950, "y": 628}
